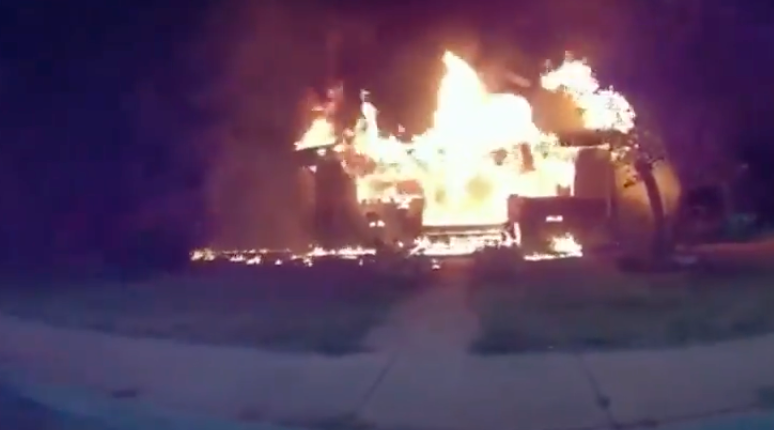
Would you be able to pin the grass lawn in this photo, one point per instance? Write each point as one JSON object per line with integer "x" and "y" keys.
{"x": 582, "y": 304}
{"x": 322, "y": 309}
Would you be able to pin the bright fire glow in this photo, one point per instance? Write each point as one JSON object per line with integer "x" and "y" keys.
{"x": 561, "y": 247}
{"x": 482, "y": 147}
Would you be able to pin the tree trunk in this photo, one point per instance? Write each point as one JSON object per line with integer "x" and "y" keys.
{"x": 661, "y": 244}
{"x": 612, "y": 201}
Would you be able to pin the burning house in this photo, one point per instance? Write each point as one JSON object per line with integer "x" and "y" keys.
{"x": 484, "y": 173}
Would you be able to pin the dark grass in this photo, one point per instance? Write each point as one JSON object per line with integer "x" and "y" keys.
{"x": 18, "y": 412}
{"x": 585, "y": 304}
{"x": 327, "y": 309}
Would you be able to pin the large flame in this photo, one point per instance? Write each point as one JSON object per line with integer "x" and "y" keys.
{"x": 482, "y": 147}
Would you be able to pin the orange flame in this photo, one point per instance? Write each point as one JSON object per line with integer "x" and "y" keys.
{"x": 482, "y": 147}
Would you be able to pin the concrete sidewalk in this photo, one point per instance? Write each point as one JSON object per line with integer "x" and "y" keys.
{"x": 25, "y": 405}
{"x": 388, "y": 391}
{"x": 750, "y": 421}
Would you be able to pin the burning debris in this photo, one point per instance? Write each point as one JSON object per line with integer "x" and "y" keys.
{"x": 280, "y": 257}
{"x": 453, "y": 246}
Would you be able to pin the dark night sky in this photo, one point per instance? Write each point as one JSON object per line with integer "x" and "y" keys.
{"x": 172, "y": 115}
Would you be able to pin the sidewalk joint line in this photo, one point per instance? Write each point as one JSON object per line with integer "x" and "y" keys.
{"x": 375, "y": 385}
{"x": 601, "y": 400}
